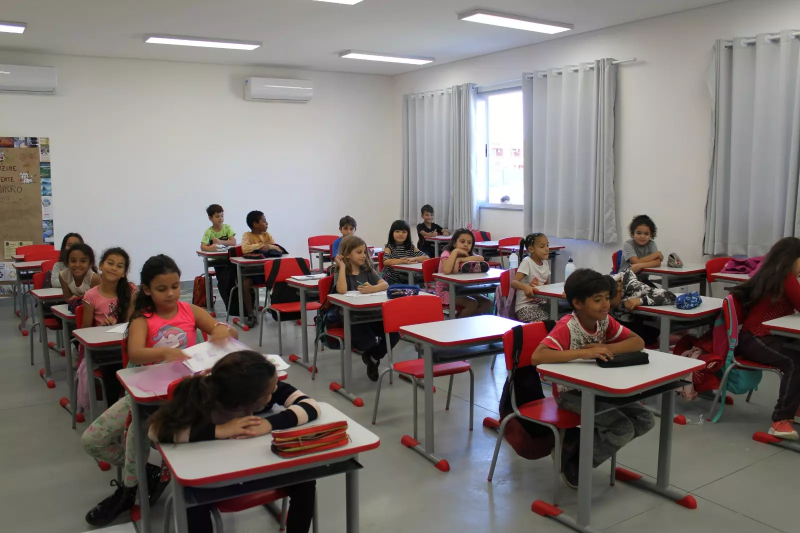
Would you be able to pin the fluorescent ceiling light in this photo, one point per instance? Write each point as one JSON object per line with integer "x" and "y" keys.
{"x": 348, "y": 2}
{"x": 201, "y": 42}
{"x": 371, "y": 56}
{"x": 12, "y": 27}
{"x": 484, "y": 16}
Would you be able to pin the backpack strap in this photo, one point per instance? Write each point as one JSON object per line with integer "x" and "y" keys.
{"x": 273, "y": 273}
{"x": 301, "y": 263}
{"x": 516, "y": 353}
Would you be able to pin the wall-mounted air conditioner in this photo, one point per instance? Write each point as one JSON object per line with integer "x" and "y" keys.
{"x": 35, "y": 80}
{"x": 278, "y": 90}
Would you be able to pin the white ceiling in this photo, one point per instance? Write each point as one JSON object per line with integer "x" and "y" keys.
{"x": 304, "y": 33}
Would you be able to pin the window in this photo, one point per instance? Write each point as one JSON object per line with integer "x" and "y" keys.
{"x": 498, "y": 140}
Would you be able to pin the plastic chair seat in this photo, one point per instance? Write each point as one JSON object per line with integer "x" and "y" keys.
{"x": 416, "y": 368}
{"x": 249, "y": 501}
{"x": 52, "y": 323}
{"x": 294, "y": 307}
{"x": 546, "y": 410}
{"x": 97, "y": 373}
{"x": 745, "y": 362}
{"x": 335, "y": 332}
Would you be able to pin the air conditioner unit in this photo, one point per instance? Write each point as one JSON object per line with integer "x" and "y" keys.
{"x": 35, "y": 80}
{"x": 278, "y": 90}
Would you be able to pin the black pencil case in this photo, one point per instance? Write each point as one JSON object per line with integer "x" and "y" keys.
{"x": 625, "y": 359}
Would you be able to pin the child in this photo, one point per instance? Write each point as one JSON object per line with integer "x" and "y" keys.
{"x": 631, "y": 293}
{"x": 590, "y": 333}
{"x": 220, "y": 405}
{"x": 80, "y": 274}
{"x": 347, "y": 227}
{"x": 218, "y": 233}
{"x": 427, "y": 228}
{"x": 354, "y": 272}
{"x": 772, "y": 292}
{"x": 68, "y": 240}
{"x": 109, "y": 303}
{"x": 640, "y": 251}
{"x": 257, "y": 240}
{"x": 457, "y": 252}
{"x": 532, "y": 272}
{"x": 400, "y": 251}
{"x": 160, "y": 327}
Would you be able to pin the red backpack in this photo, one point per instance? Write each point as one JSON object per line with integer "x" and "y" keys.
{"x": 199, "y": 293}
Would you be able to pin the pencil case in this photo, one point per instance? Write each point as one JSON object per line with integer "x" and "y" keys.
{"x": 301, "y": 441}
{"x": 625, "y": 359}
{"x": 474, "y": 267}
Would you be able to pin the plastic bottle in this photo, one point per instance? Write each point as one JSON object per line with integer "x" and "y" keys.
{"x": 513, "y": 260}
{"x": 569, "y": 269}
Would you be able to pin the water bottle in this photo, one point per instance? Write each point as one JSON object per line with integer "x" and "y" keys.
{"x": 513, "y": 260}
{"x": 569, "y": 269}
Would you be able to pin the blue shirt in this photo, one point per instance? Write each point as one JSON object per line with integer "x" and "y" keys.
{"x": 335, "y": 247}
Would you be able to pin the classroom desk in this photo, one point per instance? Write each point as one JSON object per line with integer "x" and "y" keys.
{"x": 785, "y": 326}
{"x": 241, "y": 264}
{"x": 730, "y": 277}
{"x": 689, "y": 274}
{"x": 18, "y": 257}
{"x": 42, "y": 296}
{"x": 660, "y": 377}
{"x": 455, "y": 281}
{"x": 669, "y": 313}
{"x": 304, "y": 287}
{"x": 413, "y": 270}
{"x": 211, "y": 471}
{"x": 553, "y": 292}
{"x": 438, "y": 240}
{"x": 97, "y": 339}
{"x": 68, "y": 319}
{"x": 216, "y": 258}
{"x": 486, "y": 246}
{"x": 436, "y": 339}
{"x": 26, "y": 266}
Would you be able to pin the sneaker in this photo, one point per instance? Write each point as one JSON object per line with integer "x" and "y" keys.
{"x": 372, "y": 367}
{"x": 783, "y": 430}
{"x": 109, "y": 509}
{"x": 251, "y": 321}
{"x": 569, "y": 470}
{"x": 155, "y": 486}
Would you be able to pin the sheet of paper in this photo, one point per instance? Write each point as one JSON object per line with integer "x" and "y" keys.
{"x": 203, "y": 356}
{"x": 156, "y": 378}
{"x": 276, "y": 360}
{"x": 309, "y": 277}
{"x": 119, "y": 328}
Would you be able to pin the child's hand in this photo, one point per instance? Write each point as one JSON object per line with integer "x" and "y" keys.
{"x": 74, "y": 298}
{"x": 266, "y": 247}
{"x": 214, "y": 241}
{"x": 238, "y": 427}
{"x": 479, "y": 258}
{"x": 535, "y": 282}
{"x": 365, "y": 288}
{"x": 339, "y": 260}
{"x": 529, "y": 291}
{"x": 220, "y": 333}
{"x": 636, "y": 268}
{"x": 109, "y": 321}
{"x": 660, "y": 256}
{"x": 174, "y": 354}
{"x": 258, "y": 430}
{"x": 633, "y": 303}
{"x": 597, "y": 351}
{"x": 408, "y": 261}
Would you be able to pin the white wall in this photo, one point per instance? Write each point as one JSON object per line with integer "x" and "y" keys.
{"x": 663, "y": 112}
{"x": 140, "y": 148}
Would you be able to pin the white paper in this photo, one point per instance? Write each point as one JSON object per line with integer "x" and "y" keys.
{"x": 203, "y": 356}
{"x": 309, "y": 277}
{"x": 119, "y": 328}
{"x": 276, "y": 360}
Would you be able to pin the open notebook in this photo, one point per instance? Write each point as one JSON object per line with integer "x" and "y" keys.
{"x": 205, "y": 355}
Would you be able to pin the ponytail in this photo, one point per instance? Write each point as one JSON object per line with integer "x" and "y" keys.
{"x": 192, "y": 402}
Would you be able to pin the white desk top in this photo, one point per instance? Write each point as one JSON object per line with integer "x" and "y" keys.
{"x": 202, "y": 463}
{"x": 63, "y": 311}
{"x": 511, "y": 249}
{"x": 487, "y": 244}
{"x": 440, "y": 238}
{"x": 303, "y": 283}
{"x": 201, "y": 253}
{"x": 17, "y": 257}
{"x": 414, "y": 267}
{"x": 687, "y": 269}
{"x": 788, "y": 324}
{"x": 710, "y": 306}
{"x": 470, "y": 330}
{"x": 366, "y": 301}
{"x": 28, "y": 265}
{"x": 48, "y": 294}
{"x": 325, "y": 248}
{"x": 663, "y": 368}
{"x": 554, "y": 290}
{"x": 98, "y": 337}
{"x": 730, "y": 276}
{"x": 246, "y": 261}
{"x": 492, "y": 276}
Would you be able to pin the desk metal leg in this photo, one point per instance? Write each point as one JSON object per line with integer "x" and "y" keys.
{"x": 241, "y": 294}
{"x": 321, "y": 259}
{"x": 704, "y": 287}
{"x": 665, "y": 282}
{"x": 142, "y": 450}
{"x": 45, "y": 373}
{"x": 663, "y": 338}
{"x": 452, "y": 300}
{"x": 435, "y": 248}
{"x": 347, "y": 364}
{"x": 22, "y": 311}
{"x": 72, "y": 402}
{"x": 351, "y": 501}
{"x": 553, "y": 309}
{"x": 179, "y": 508}
{"x": 553, "y": 268}
{"x": 87, "y": 355}
{"x": 410, "y": 277}
{"x": 209, "y": 304}
{"x": 304, "y": 325}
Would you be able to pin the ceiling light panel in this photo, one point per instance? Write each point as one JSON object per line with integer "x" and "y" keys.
{"x": 388, "y": 58}
{"x": 202, "y": 42}
{"x": 494, "y": 18}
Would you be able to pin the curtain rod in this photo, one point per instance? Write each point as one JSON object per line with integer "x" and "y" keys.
{"x": 768, "y": 38}
{"x": 574, "y": 68}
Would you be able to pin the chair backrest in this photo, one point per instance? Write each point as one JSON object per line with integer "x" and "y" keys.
{"x": 322, "y": 240}
{"x": 616, "y": 261}
{"x": 280, "y": 270}
{"x": 429, "y": 268}
{"x": 532, "y": 335}
{"x": 324, "y": 288}
{"x": 235, "y": 251}
{"x": 47, "y": 266}
{"x": 714, "y": 266}
{"x": 509, "y": 241}
{"x": 411, "y": 310}
{"x": 38, "y": 280}
{"x": 42, "y": 255}
{"x": 25, "y": 250}
{"x": 380, "y": 261}
{"x": 79, "y": 317}
{"x": 482, "y": 236}
{"x": 505, "y": 283}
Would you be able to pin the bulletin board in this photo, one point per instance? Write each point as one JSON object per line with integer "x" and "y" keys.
{"x": 26, "y": 199}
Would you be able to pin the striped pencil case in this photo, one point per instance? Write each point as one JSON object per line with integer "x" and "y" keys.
{"x": 296, "y": 442}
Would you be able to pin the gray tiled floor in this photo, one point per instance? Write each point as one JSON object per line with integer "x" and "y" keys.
{"x": 48, "y": 483}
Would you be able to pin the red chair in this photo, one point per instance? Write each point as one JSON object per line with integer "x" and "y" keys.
{"x": 320, "y": 240}
{"x": 505, "y": 287}
{"x": 279, "y": 271}
{"x": 616, "y": 261}
{"x": 51, "y": 323}
{"x": 429, "y": 268}
{"x": 714, "y": 266}
{"x": 544, "y": 412}
{"x": 25, "y": 250}
{"x": 237, "y": 252}
{"x": 508, "y": 241}
{"x": 380, "y": 261}
{"x": 26, "y": 277}
{"x": 336, "y": 334}
{"x": 409, "y": 311}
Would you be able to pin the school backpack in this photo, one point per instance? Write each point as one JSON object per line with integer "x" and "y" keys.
{"x": 199, "y": 293}
{"x": 726, "y": 338}
{"x": 505, "y": 306}
{"x": 279, "y": 291}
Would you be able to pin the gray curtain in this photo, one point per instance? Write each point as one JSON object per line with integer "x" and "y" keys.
{"x": 438, "y": 156}
{"x": 569, "y": 152}
{"x": 753, "y": 180}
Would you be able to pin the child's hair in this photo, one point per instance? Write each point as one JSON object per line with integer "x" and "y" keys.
{"x": 86, "y": 250}
{"x": 213, "y": 209}
{"x": 348, "y": 245}
{"x": 237, "y": 380}
{"x": 643, "y": 220}
{"x": 123, "y": 286}
{"x": 155, "y": 266}
{"x": 454, "y": 239}
{"x": 347, "y": 221}
{"x": 400, "y": 225}
{"x": 253, "y": 217}
{"x": 769, "y": 278}
{"x": 585, "y": 283}
{"x": 62, "y": 258}
{"x": 427, "y": 208}
{"x": 527, "y": 242}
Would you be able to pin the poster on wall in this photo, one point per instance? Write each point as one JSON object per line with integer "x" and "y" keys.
{"x": 10, "y": 246}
